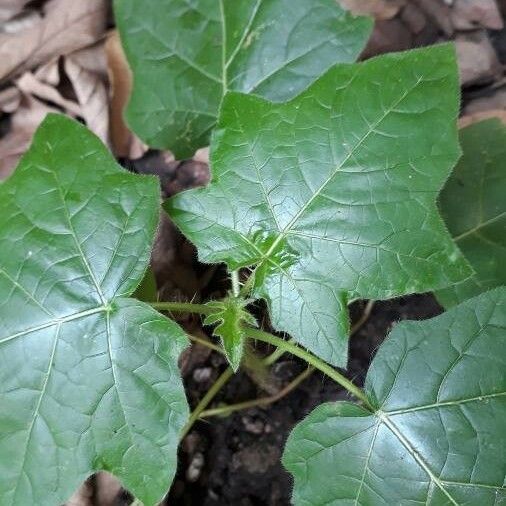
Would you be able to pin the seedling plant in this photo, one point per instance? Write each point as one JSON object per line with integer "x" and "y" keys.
{"x": 325, "y": 183}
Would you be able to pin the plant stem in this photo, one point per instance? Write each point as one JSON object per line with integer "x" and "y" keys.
{"x": 310, "y": 359}
{"x": 236, "y": 285}
{"x": 363, "y": 318}
{"x": 246, "y": 288}
{"x": 205, "y": 342}
{"x": 204, "y": 402}
{"x": 264, "y": 401}
{"x": 181, "y": 307}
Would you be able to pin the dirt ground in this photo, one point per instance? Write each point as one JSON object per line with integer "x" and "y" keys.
{"x": 233, "y": 460}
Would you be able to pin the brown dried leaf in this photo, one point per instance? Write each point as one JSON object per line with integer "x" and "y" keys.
{"x": 66, "y": 26}
{"x": 124, "y": 142}
{"x": 472, "y": 14}
{"x": 83, "y": 496}
{"x": 30, "y": 85}
{"x": 477, "y": 58}
{"x": 9, "y": 8}
{"x": 24, "y": 122}
{"x": 49, "y": 73}
{"x": 91, "y": 94}
{"x": 9, "y": 99}
{"x": 380, "y": 9}
{"x": 93, "y": 59}
{"x": 438, "y": 12}
{"x": 482, "y": 115}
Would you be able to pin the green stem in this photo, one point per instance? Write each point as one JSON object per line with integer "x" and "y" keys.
{"x": 236, "y": 285}
{"x": 248, "y": 286}
{"x": 181, "y": 307}
{"x": 205, "y": 342}
{"x": 310, "y": 359}
{"x": 264, "y": 401}
{"x": 206, "y": 400}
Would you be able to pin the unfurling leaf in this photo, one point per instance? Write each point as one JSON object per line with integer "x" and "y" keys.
{"x": 186, "y": 55}
{"x": 436, "y": 437}
{"x": 231, "y": 314}
{"x": 332, "y": 196}
{"x": 88, "y": 377}
{"x": 473, "y": 204}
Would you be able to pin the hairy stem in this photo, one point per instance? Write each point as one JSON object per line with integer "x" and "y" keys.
{"x": 205, "y": 342}
{"x": 205, "y": 401}
{"x": 247, "y": 287}
{"x": 310, "y": 359}
{"x": 236, "y": 285}
{"x": 263, "y": 401}
{"x": 181, "y": 307}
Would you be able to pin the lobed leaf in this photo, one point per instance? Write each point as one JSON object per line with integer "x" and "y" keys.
{"x": 186, "y": 55}
{"x": 473, "y": 205}
{"x": 437, "y": 434}
{"x": 231, "y": 315}
{"x": 88, "y": 377}
{"x": 332, "y": 196}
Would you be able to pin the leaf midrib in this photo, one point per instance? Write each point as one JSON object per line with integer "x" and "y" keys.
{"x": 371, "y": 128}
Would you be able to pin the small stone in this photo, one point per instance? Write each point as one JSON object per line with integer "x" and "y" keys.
{"x": 253, "y": 425}
{"x": 195, "y": 468}
{"x": 202, "y": 374}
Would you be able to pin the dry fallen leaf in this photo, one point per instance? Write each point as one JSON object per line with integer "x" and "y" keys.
{"x": 93, "y": 59}
{"x": 473, "y": 14}
{"x": 380, "y": 9}
{"x": 30, "y": 85}
{"x": 124, "y": 142}
{"x": 92, "y": 96}
{"x": 482, "y": 115}
{"x": 24, "y": 122}
{"x": 9, "y": 8}
{"x": 83, "y": 496}
{"x": 49, "y": 73}
{"x": 9, "y": 99}
{"x": 66, "y": 26}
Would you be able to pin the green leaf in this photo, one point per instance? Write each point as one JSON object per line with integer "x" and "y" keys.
{"x": 333, "y": 195}
{"x": 88, "y": 378}
{"x": 231, "y": 314}
{"x": 473, "y": 204}
{"x": 186, "y": 55}
{"x": 437, "y": 435}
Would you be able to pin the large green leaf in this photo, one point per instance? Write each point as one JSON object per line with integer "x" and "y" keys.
{"x": 333, "y": 195}
{"x": 186, "y": 54}
{"x": 437, "y": 436}
{"x": 88, "y": 378}
{"x": 473, "y": 204}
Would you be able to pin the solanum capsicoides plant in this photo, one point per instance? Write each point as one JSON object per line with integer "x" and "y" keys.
{"x": 325, "y": 198}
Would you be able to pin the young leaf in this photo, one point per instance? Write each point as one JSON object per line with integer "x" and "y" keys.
{"x": 88, "y": 378}
{"x": 437, "y": 434}
{"x": 333, "y": 195}
{"x": 231, "y": 315}
{"x": 186, "y": 55}
{"x": 473, "y": 204}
